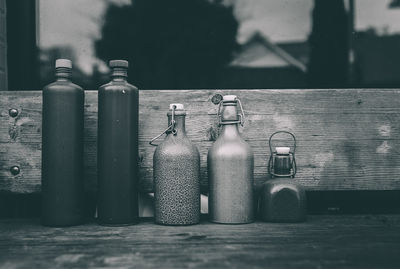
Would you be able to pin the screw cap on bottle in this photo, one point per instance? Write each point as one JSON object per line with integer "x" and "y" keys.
{"x": 282, "y": 150}
{"x": 119, "y": 63}
{"x": 177, "y": 106}
{"x": 230, "y": 98}
{"x": 63, "y": 63}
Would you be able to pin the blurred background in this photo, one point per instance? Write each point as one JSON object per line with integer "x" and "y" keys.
{"x": 199, "y": 44}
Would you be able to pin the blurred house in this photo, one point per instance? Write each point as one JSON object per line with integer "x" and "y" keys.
{"x": 300, "y": 50}
{"x": 259, "y": 63}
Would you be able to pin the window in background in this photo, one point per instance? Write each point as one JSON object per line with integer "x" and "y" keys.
{"x": 21, "y": 45}
{"x": 68, "y": 29}
{"x": 273, "y": 50}
{"x": 180, "y": 44}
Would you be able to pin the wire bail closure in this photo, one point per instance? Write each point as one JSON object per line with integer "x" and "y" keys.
{"x": 170, "y": 129}
{"x": 240, "y": 115}
{"x": 291, "y": 156}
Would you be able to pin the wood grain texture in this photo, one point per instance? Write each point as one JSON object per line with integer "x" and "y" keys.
{"x": 348, "y": 139}
{"x": 362, "y": 241}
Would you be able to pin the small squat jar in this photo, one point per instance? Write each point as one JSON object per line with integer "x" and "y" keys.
{"x": 282, "y": 199}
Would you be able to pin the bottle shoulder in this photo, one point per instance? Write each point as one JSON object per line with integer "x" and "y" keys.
{"x": 177, "y": 146}
{"x": 118, "y": 86}
{"x": 236, "y": 146}
{"x": 62, "y": 86}
{"x": 276, "y": 185}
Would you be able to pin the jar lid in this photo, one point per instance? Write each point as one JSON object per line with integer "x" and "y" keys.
{"x": 63, "y": 63}
{"x": 119, "y": 63}
{"x": 177, "y": 106}
{"x": 282, "y": 150}
{"x": 230, "y": 98}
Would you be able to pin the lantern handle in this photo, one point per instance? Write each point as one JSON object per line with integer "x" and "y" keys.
{"x": 270, "y": 161}
{"x": 286, "y": 132}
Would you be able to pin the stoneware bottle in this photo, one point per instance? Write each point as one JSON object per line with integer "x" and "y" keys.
{"x": 230, "y": 169}
{"x": 62, "y": 150}
{"x": 118, "y": 149}
{"x": 281, "y": 198}
{"x": 176, "y": 165}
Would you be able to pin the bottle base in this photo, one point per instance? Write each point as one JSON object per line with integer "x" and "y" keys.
{"x": 304, "y": 219}
{"x": 130, "y": 223}
{"x": 231, "y": 223}
{"x": 62, "y": 225}
{"x": 176, "y": 224}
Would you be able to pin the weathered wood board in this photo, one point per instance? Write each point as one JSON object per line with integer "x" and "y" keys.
{"x": 348, "y": 139}
{"x": 362, "y": 241}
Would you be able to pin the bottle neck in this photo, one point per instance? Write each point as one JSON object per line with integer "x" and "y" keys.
{"x": 229, "y": 118}
{"x": 230, "y": 131}
{"x": 229, "y": 112}
{"x": 63, "y": 74}
{"x": 119, "y": 74}
{"x": 179, "y": 124}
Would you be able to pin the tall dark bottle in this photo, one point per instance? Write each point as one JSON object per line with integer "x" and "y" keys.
{"x": 118, "y": 103}
{"x": 282, "y": 199}
{"x": 230, "y": 169}
{"x": 62, "y": 150}
{"x": 176, "y": 165}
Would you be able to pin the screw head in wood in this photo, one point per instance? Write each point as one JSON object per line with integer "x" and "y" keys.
{"x": 216, "y": 99}
{"x": 13, "y": 112}
{"x": 15, "y": 170}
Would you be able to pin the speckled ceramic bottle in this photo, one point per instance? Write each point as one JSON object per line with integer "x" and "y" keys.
{"x": 176, "y": 165}
{"x": 230, "y": 164}
{"x": 281, "y": 198}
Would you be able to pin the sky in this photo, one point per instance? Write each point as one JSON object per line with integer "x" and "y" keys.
{"x": 377, "y": 14}
{"x": 74, "y": 23}
{"x": 279, "y": 20}
{"x": 77, "y": 23}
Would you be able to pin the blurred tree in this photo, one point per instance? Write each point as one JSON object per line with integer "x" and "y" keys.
{"x": 170, "y": 44}
{"x": 328, "y": 66}
{"x": 394, "y": 4}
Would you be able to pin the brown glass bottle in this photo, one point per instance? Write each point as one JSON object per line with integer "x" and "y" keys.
{"x": 176, "y": 165}
{"x": 118, "y": 175}
{"x": 62, "y": 150}
{"x": 281, "y": 198}
{"x": 230, "y": 164}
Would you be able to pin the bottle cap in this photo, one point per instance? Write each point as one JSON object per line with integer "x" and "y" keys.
{"x": 177, "y": 106}
{"x": 230, "y": 98}
{"x": 282, "y": 150}
{"x": 118, "y": 63}
{"x": 65, "y": 63}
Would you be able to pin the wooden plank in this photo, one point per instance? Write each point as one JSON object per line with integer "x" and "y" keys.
{"x": 348, "y": 139}
{"x": 362, "y": 241}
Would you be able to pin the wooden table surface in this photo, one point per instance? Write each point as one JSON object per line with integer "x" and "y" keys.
{"x": 335, "y": 241}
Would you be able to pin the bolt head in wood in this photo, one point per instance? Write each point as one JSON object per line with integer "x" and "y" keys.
{"x": 216, "y": 99}
{"x": 15, "y": 170}
{"x": 13, "y": 112}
